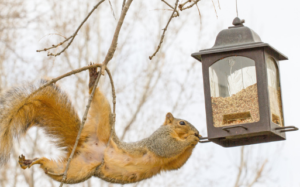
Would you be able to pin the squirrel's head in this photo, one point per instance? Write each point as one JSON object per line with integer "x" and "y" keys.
{"x": 181, "y": 127}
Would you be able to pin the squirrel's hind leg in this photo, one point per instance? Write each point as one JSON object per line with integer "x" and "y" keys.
{"x": 27, "y": 163}
{"x": 78, "y": 171}
{"x": 100, "y": 111}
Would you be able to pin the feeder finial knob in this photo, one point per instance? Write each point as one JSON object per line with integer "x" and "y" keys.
{"x": 238, "y": 22}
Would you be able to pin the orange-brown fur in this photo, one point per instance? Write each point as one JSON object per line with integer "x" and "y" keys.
{"x": 96, "y": 154}
{"x": 123, "y": 167}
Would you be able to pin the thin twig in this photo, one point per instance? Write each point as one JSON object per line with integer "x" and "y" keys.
{"x": 258, "y": 174}
{"x": 112, "y": 130}
{"x": 124, "y": 1}
{"x": 151, "y": 80}
{"x": 112, "y": 9}
{"x": 214, "y": 7}
{"x": 182, "y": 89}
{"x": 171, "y": 7}
{"x": 240, "y": 168}
{"x": 184, "y": 8}
{"x": 180, "y": 6}
{"x": 80, "y": 129}
{"x": 165, "y": 29}
{"x": 72, "y": 36}
{"x": 114, "y": 43}
{"x": 163, "y": 9}
{"x": 113, "y": 91}
{"x": 53, "y": 34}
{"x": 55, "y": 46}
{"x": 63, "y": 76}
{"x": 199, "y": 16}
{"x": 140, "y": 105}
{"x": 66, "y": 55}
{"x": 219, "y": 4}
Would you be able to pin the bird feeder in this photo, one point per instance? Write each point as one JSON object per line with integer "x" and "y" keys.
{"x": 242, "y": 89}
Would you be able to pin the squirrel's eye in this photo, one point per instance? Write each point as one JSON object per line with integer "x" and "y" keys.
{"x": 182, "y": 123}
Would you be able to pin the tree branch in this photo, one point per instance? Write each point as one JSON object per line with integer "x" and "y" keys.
{"x": 112, "y": 10}
{"x": 108, "y": 57}
{"x": 113, "y": 91}
{"x": 240, "y": 168}
{"x": 87, "y": 108}
{"x": 214, "y": 7}
{"x": 182, "y": 5}
{"x": 199, "y": 16}
{"x": 165, "y": 29}
{"x": 171, "y": 7}
{"x": 146, "y": 92}
{"x": 184, "y": 8}
{"x": 72, "y": 36}
{"x": 80, "y": 129}
{"x": 141, "y": 103}
{"x": 114, "y": 42}
{"x": 63, "y": 76}
{"x": 124, "y": 1}
{"x": 258, "y": 174}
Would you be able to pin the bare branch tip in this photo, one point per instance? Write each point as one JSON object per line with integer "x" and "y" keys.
{"x": 180, "y": 7}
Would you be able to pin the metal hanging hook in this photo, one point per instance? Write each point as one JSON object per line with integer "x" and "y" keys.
{"x": 237, "y": 13}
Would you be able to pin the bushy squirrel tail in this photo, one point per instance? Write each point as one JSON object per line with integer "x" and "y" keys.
{"x": 49, "y": 108}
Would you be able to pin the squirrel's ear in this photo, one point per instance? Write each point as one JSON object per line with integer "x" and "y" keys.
{"x": 169, "y": 118}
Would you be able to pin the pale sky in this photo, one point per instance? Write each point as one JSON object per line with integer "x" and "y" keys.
{"x": 276, "y": 22}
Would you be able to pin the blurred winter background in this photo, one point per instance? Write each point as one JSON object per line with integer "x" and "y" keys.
{"x": 147, "y": 90}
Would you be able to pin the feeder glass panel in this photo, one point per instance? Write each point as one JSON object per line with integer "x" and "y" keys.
{"x": 233, "y": 90}
{"x": 274, "y": 92}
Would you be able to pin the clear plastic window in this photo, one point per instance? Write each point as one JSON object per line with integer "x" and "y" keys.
{"x": 274, "y": 92}
{"x": 234, "y": 91}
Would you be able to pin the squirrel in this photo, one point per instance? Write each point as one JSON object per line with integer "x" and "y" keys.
{"x": 100, "y": 152}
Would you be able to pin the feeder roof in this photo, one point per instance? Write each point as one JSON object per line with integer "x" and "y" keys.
{"x": 237, "y": 37}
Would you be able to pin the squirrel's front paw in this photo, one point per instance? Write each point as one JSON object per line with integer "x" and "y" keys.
{"x": 25, "y": 163}
{"x": 193, "y": 140}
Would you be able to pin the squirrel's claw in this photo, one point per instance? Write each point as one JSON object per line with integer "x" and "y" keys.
{"x": 25, "y": 163}
{"x": 21, "y": 162}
